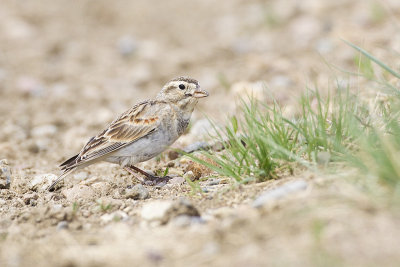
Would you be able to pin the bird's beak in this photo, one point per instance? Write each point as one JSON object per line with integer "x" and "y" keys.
{"x": 199, "y": 93}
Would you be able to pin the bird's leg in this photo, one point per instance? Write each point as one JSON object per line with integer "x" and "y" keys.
{"x": 151, "y": 179}
{"x": 132, "y": 169}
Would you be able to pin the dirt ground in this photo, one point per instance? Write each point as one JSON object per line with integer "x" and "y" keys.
{"x": 68, "y": 68}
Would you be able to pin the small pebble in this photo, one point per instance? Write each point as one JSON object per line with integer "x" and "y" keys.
{"x": 28, "y": 198}
{"x": 177, "y": 180}
{"x": 63, "y": 225}
{"x": 42, "y": 181}
{"x": 156, "y": 210}
{"x": 172, "y": 154}
{"x": 171, "y": 164}
{"x": 5, "y": 174}
{"x": 213, "y": 181}
{"x": 115, "y": 216}
{"x": 205, "y": 189}
{"x": 196, "y": 146}
{"x": 137, "y": 192}
{"x": 160, "y": 185}
{"x": 189, "y": 175}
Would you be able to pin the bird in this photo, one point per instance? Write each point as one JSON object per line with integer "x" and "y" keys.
{"x": 142, "y": 132}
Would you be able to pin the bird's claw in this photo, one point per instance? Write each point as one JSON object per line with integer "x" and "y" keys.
{"x": 155, "y": 180}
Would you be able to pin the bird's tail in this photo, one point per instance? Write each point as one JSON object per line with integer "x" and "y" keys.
{"x": 67, "y": 167}
{"x": 65, "y": 173}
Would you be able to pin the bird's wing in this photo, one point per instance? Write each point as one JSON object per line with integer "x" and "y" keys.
{"x": 132, "y": 125}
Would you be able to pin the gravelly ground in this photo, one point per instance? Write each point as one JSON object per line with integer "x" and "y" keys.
{"x": 67, "y": 69}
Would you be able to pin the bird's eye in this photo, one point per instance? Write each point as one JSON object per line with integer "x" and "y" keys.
{"x": 181, "y": 86}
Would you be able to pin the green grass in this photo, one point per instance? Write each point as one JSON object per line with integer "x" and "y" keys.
{"x": 251, "y": 152}
{"x": 379, "y": 147}
{"x": 264, "y": 144}
{"x": 104, "y": 207}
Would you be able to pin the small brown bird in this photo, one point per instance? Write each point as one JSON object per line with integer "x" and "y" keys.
{"x": 142, "y": 132}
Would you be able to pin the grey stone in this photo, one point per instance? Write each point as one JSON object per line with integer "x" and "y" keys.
{"x": 137, "y": 192}
{"x": 196, "y": 146}
{"x": 62, "y": 225}
{"x": 5, "y": 174}
{"x": 213, "y": 181}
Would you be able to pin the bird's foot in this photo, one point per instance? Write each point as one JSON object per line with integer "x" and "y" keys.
{"x": 150, "y": 179}
{"x": 155, "y": 180}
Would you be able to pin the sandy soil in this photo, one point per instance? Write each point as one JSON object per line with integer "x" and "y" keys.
{"x": 67, "y": 68}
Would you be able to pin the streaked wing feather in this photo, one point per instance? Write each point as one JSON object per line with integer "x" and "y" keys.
{"x": 132, "y": 125}
{"x": 99, "y": 152}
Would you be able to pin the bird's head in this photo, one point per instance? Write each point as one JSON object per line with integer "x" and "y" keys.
{"x": 182, "y": 90}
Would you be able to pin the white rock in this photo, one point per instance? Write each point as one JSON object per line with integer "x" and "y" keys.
{"x": 81, "y": 176}
{"x": 57, "y": 207}
{"x": 189, "y": 175}
{"x": 280, "y": 192}
{"x": 156, "y": 210}
{"x": 177, "y": 180}
{"x": 79, "y": 192}
{"x": 164, "y": 210}
{"x": 41, "y": 182}
{"x": 115, "y": 216}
